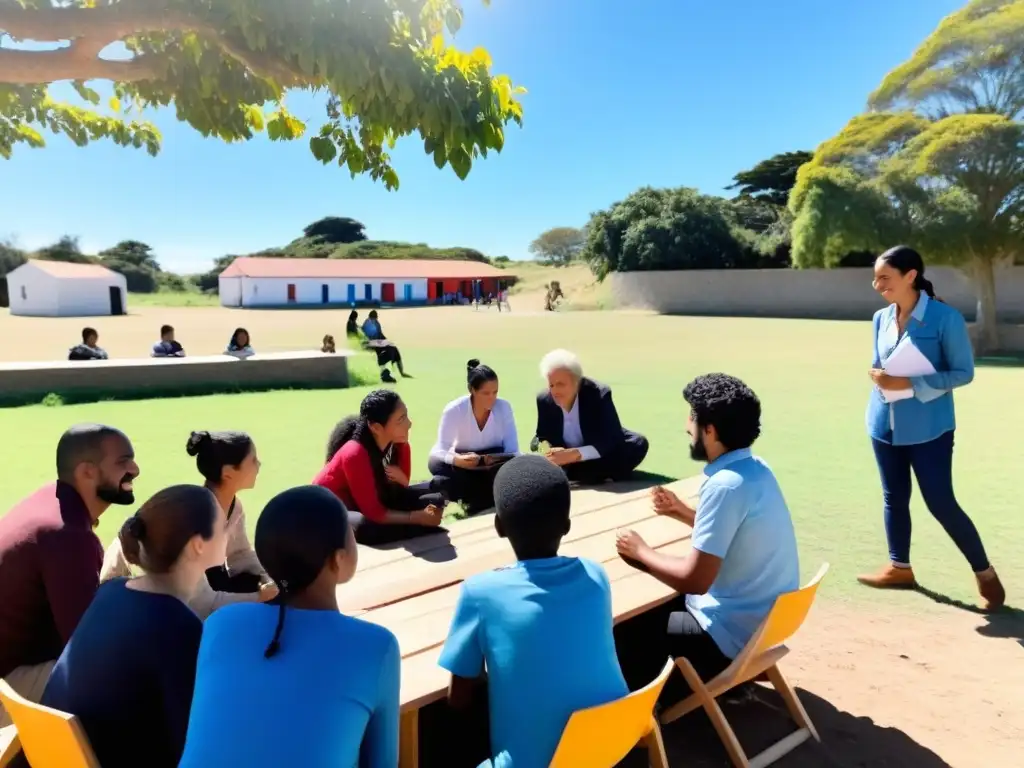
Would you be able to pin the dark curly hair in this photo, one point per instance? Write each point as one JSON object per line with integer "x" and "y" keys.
{"x": 727, "y": 404}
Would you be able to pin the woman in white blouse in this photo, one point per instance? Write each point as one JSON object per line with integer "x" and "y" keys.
{"x": 476, "y": 435}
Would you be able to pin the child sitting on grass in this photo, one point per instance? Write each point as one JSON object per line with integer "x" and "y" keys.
{"x": 542, "y": 627}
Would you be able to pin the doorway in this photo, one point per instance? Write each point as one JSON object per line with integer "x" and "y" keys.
{"x": 407, "y": 292}
{"x": 116, "y": 301}
{"x": 351, "y": 293}
{"x": 325, "y": 294}
{"x": 387, "y": 293}
{"x": 291, "y": 293}
{"x": 439, "y": 290}
{"x": 367, "y": 292}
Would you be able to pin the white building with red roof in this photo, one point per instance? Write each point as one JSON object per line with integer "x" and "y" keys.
{"x": 41, "y": 288}
{"x": 256, "y": 281}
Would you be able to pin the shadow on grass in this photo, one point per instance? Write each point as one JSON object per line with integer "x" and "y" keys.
{"x": 1006, "y": 623}
{"x": 847, "y": 740}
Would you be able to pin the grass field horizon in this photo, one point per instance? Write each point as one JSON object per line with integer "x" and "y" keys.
{"x": 810, "y": 375}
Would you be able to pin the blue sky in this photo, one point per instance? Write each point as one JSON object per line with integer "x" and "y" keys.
{"x": 622, "y": 93}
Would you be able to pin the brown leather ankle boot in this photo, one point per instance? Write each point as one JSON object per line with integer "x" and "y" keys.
{"x": 991, "y": 589}
{"x": 889, "y": 577}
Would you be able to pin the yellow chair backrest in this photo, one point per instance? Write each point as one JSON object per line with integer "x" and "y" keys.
{"x": 49, "y": 738}
{"x": 601, "y": 736}
{"x": 788, "y": 614}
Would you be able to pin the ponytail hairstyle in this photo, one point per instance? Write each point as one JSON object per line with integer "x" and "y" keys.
{"x": 216, "y": 450}
{"x": 155, "y": 536}
{"x": 903, "y": 258}
{"x": 376, "y": 408}
{"x": 477, "y": 375}
{"x": 297, "y": 534}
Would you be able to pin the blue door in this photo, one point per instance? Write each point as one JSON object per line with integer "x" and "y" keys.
{"x": 367, "y": 292}
{"x": 325, "y": 294}
{"x": 351, "y": 293}
{"x": 408, "y": 292}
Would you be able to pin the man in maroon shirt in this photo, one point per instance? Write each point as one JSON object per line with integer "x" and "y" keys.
{"x": 50, "y": 558}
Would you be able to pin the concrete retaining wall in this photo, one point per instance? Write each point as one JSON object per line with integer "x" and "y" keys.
{"x": 20, "y": 382}
{"x": 839, "y": 294}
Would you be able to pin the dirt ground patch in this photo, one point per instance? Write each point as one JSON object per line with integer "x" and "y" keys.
{"x": 945, "y": 687}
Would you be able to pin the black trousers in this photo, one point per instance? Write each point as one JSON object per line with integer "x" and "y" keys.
{"x": 400, "y": 499}
{"x": 618, "y": 466}
{"x": 456, "y": 739}
{"x": 644, "y": 643}
{"x": 473, "y": 488}
{"x": 221, "y": 580}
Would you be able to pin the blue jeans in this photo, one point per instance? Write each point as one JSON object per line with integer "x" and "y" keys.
{"x": 932, "y": 463}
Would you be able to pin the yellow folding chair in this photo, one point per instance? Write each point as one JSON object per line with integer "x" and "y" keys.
{"x": 49, "y": 738}
{"x": 601, "y": 736}
{"x": 760, "y": 656}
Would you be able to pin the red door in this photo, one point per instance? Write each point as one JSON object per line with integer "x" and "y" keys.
{"x": 387, "y": 293}
{"x": 291, "y": 292}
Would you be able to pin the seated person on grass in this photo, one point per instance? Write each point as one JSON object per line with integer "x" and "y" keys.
{"x": 239, "y": 346}
{"x": 167, "y": 346}
{"x": 331, "y": 681}
{"x": 368, "y": 467}
{"x": 541, "y": 628}
{"x": 50, "y": 556}
{"x": 128, "y": 672}
{"x": 476, "y": 434}
{"x": 229, "y": 464}
{"x": 744, "y": 552}
{"x": 387, "y": 351}
{"x": 89, "y": 349}
{"x": 578, "y": 427}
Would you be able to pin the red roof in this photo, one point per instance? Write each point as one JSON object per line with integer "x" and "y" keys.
{"x": 69, "y": 270}
{"x": 261, "y": 266}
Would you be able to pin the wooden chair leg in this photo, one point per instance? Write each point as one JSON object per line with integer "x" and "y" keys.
{"x": 655, "y": 746}
{"x": 792, "y": 701}
{"x": 715, "y": 714}
{"x": 409, "y": 739}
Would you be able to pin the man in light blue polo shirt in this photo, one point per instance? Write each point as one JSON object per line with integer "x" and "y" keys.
{"x": 744, "y": 552}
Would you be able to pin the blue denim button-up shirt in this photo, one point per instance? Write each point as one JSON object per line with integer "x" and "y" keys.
{"x": 940, "y": 332}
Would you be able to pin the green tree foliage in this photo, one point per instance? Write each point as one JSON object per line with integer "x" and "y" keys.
{"x": 559, "y": 246}
{"x": 938, "y": 163}
{"x": 136, "y": 262}
{"x": 336, "y": 229}
{"x": 65, "y": 249}
{"x": 669, "y": 229}
{"x": 10, "y": 258}
{"x": 771, "y": 180}
{"x": 226, "y": 65}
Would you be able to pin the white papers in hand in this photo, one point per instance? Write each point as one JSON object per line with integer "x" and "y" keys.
{"x": 906, "y": 361}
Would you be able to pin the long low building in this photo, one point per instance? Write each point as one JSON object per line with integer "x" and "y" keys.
{"x": 254, "y": 281}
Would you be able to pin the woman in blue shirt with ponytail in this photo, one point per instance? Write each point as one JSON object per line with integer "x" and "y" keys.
{"x": 916, "y": 432}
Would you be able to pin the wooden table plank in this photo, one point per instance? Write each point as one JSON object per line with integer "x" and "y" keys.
{"x": 416, "y": 576}
{"x": 584, "y": 501}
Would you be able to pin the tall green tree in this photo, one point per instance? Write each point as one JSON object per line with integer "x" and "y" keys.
{"x": 336, "y": 229}
{"x": 226, "y": 66}
{"x": 937, "y": 162}
{"x": 11, "y": 257}
{"x": 559, "y": 246}
{"x": 771, "y": 180}
{"x": 136, "y": 262}
{"x": 65, "y": 249}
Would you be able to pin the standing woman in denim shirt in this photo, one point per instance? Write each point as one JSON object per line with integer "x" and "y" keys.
{"x": 916, "y": 433}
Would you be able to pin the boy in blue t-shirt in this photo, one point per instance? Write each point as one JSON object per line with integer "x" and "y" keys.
{"x": 542, "y": 627}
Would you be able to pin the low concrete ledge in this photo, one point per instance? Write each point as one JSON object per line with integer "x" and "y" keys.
{"x": 158, "y": 377}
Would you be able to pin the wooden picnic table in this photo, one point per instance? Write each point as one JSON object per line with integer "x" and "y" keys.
{"x": 412, "y": 588}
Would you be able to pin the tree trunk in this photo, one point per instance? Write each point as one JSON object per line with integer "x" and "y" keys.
{"x": 986, "y": 321}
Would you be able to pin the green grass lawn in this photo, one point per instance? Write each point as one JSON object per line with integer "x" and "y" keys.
{"x": 810, "y": 375}
{"x": 173, "y": 299}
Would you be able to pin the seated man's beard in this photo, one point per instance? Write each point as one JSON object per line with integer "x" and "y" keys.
{"x": 115, "y": 494}
{"x": 698, "y": 452}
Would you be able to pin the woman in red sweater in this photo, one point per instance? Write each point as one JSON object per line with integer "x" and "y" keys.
{"x": 368, "y": 466}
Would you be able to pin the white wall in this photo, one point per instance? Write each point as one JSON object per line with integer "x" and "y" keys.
{"x": 273, "y": 291}
{"x": 230, "y": 291}
{"x": 32, "y": 292}
{"x": 84, "y": 297}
